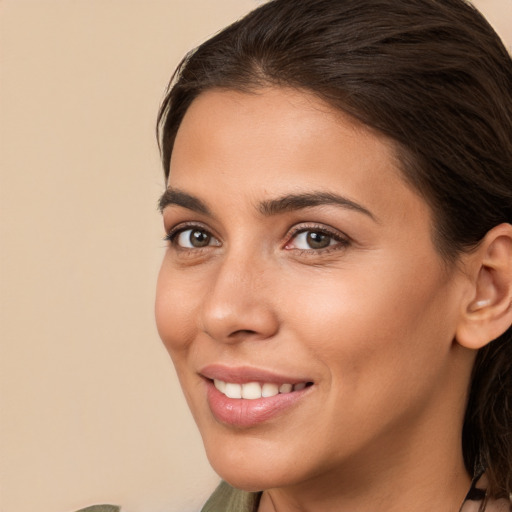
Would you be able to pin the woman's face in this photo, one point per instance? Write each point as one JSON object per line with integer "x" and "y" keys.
{"x": 298, "y": 256}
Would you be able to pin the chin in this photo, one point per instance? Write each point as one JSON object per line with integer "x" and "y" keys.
{"x": 253, "y": 463}
{"x": 251, "y": 479}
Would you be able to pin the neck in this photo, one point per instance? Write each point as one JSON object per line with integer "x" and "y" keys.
{"x": 415, "y": 465}
{"x": 443, "y": 492}
{"x": 397, "y": 478}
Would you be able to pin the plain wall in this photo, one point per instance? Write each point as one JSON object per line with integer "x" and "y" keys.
{"x": 90, "y": 408}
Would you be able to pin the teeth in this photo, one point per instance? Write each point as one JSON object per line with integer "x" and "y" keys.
{"x": 269, "y": 389}
{"x": 220, "y": 385}
{"x": 233, "y": 390}
{"x": 255, "y": 390}
{"x": 251, "y": 390}
{"x": 285, "y": 388}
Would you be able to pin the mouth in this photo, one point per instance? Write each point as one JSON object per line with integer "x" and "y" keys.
{"x": 246, "y": 397}
{"x": 256, "y": 390}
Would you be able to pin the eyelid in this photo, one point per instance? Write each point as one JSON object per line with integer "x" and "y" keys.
{"x": 173, "y": 232}
{"x": 337, "y": 235}
{"x": 340, "y": 237}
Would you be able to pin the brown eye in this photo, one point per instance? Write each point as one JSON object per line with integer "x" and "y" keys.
{"x": 194, "y": 238}
{"x": 317, "y": 240}
{"x": 199, "y": 238}
{"x": 309, "y": 240}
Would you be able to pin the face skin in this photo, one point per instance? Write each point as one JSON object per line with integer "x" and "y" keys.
{"x": 349, "y": 295}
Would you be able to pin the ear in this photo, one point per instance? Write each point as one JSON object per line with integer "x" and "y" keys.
{"x": 487, "y": 313}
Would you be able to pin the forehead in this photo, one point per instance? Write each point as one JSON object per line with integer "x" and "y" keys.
{"x": 277, "y": 141}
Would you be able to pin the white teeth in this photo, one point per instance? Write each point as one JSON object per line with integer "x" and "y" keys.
{"x": 251, "y": 390}
{"x": 233, "y": 390}
{"x": 220, "y": 385}
{"x": 269, "y": 389}
{"x": 255, "y": 390}
{"x": 285, "y": 388}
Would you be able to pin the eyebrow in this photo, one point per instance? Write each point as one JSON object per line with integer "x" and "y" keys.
{"x": 177, "y": 197}
{"x": 286, "y": 203}
{"x": 293, "y": 202}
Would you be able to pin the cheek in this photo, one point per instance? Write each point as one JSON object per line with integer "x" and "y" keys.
{"x": 381, "y": 326}
{"x": 175, "y": 309}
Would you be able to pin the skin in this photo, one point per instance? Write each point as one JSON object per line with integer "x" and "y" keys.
{"x": 371, "y": 319}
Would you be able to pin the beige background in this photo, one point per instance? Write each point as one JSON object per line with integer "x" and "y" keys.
{"x": 90, "y": 409}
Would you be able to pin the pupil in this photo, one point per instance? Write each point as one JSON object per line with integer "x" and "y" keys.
{"x": 199, "y": 239}
{"x": 318, "y": 240}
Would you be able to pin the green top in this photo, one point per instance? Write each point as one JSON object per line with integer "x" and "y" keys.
{"x": 224, "y": 499}
{"x": 100, "y": 508}
{"x": 227, "y": 499}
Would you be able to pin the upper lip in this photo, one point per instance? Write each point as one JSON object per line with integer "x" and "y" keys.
{"x": 244, "y": 374}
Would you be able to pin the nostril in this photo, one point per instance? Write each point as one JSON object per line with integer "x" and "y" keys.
{"x": 231, "y": 319}
{"x": 242, "y": 332}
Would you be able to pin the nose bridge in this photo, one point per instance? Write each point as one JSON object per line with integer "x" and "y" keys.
{"x": 239, "y": 305}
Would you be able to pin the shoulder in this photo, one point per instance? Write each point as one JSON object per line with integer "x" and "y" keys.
{"x": 502, "y": 505}
{"x": 478, "y": 500}
{"x": 228, "y": 499}
{"x": 101, "y": 508}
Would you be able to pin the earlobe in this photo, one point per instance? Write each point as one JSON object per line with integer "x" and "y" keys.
{"x": 488, "y": 312}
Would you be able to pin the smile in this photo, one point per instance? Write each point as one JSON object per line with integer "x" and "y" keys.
{"x": 245, "y": 397}
{"x": 255, "y": 390}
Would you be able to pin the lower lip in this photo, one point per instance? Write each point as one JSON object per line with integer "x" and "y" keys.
{"x": 244, "y": 413}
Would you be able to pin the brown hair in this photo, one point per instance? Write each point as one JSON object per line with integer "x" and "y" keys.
{"x": 434, "y": 77}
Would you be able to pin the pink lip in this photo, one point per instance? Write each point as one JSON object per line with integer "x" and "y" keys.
{"x": 243, "y": 374}
{"x": 242, "y": 413}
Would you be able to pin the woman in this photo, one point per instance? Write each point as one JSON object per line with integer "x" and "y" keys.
{"x": 339, "y": 255}
{"x": 337, "y": 291}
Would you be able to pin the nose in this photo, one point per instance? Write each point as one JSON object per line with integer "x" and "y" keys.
{"x": 239, "y": 304}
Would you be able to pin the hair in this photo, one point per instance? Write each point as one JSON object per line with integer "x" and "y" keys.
{"x": 432, "y": 76}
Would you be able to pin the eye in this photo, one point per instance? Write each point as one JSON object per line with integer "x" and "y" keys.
{"x": 312, "y": 240}
{"x": 192, "y": 238}
{"x": 315, "y": 239}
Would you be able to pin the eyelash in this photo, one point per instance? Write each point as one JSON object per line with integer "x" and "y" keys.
{"x": 342, "y": 240}
{"x": 175, "y": 232}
